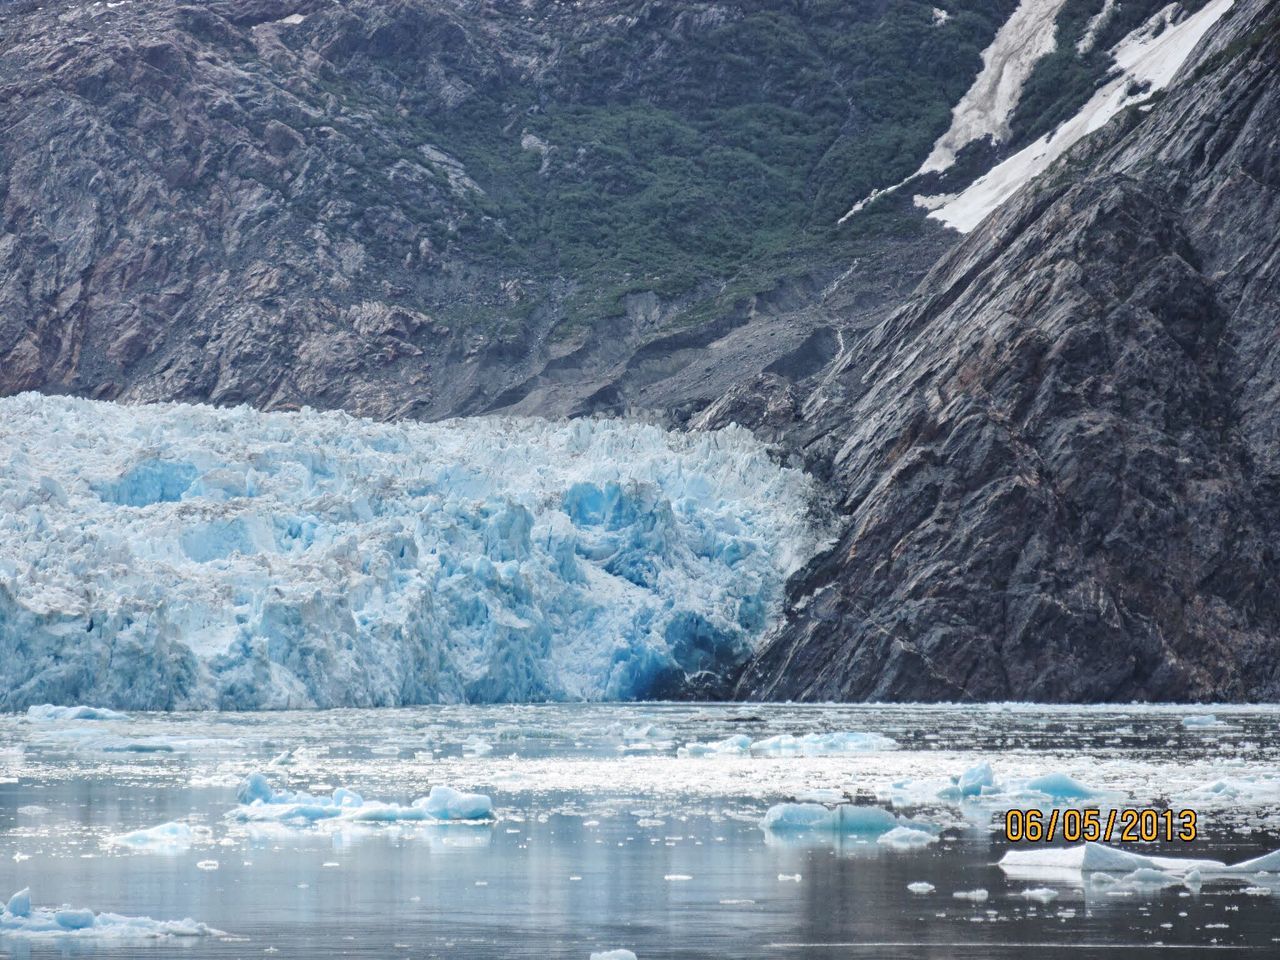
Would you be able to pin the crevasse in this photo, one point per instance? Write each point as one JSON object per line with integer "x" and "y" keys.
{"x": 187, "y": 557}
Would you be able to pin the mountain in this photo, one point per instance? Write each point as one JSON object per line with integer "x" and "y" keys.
{"x": 998, "y": 274}
{"x": 1059, "y": 463}
{"x": 427, "y": 208}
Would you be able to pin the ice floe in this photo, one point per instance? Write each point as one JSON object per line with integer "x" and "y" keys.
{"x": 921, "y": 887}
{"x": 613, "y": 955}
{"x": 260, "y": 802}
{"x": 1096, "y": 857}
{"x": 789, "y": 745}
{"x": 845, "y": 819}
{"x": 48, "y": 711}
{"x": 172, "y": 837}
{"x": 20, "y": 919}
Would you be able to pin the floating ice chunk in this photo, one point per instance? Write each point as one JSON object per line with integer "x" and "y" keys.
{"x": 738, "y": 745}
{"x": 445, "y": 803}
{"x": 207, "y": 865}
{"x": 260, "y": 802}
{"x": 1040, "y": 894}
{"x": 921, "y": 887}
{"x": 844, "y": 818}
{"x": 614, "y": 955}
{"x": 821, "y": 744}
{"x": 20, "y": 920}
{"x": 971, "y": 783}
{"x": 1059, "y": 786}
{"x": 19, "y": 904}
{"x": 1096, "y": 857}
{"x": 172, "y": 837}
{"x": 1202, "y": 721}
{"x": 47, "y": 711}
{"x": 973, "y": 780}
{"x": 1150, "y": 878}
{"x": 907, "y": 838}
{"x": 473, "y": 746}
{"x": 977, "y": 896}
{"x": 255, "y": 787}
{"x": 821, "y": 795}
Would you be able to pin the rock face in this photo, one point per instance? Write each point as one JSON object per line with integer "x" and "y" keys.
{"x": 1058, "y": 465}
{"x": 426, "y": 208}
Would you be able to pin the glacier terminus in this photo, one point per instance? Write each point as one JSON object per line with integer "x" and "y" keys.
{"x": 189, "y": 557}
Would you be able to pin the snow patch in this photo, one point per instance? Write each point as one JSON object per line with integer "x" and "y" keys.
{"x": 985, "y": 109}
{"x": 1149, "y": 59}
{"x": 1092, "y": 28}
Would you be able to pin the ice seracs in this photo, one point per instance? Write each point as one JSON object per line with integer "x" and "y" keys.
{"x": 234, "y": 559}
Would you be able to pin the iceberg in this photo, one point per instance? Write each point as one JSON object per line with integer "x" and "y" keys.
{"x": 921, "y": 887}
{"x": 20, "y": 920}
{"x": 613, "y": 955}
{"x": 738, "y": 745}
{"x": 1137, "y": 868}
{"x": 169, "y": 837}
{"x": 234, "y": 559}
{"x": 1059, "y": 786}
{"x": 845, "y": 818}
{"x": 906, "y": 838}
{"x": 259, "y": 802}
{"x": 47, "y": 711}
{"x": 821, "y": 744}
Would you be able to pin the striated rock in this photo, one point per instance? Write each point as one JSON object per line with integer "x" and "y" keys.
{"x": 1058, "y": 464}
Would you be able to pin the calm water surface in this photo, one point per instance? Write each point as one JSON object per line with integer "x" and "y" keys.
{"x": 606, "y": 838}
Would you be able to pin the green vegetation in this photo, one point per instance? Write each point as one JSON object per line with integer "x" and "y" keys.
{"x": 694, "y": 147}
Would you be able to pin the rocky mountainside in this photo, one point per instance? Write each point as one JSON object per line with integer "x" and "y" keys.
{"x": 435, "y": 207}
{"x": 1059, "y": 462}
{"x": 1052, "y": 469}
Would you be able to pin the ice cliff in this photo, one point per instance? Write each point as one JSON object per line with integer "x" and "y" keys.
{"x": 187, "y": 557}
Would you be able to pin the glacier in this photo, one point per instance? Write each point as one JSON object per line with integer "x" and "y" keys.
{"x": 175, "y": 556}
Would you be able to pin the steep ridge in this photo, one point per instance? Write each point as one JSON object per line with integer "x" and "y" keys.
{"x": 1059, "y": 464}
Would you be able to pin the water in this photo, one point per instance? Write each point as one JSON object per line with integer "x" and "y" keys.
{"x": 607, "y": 839}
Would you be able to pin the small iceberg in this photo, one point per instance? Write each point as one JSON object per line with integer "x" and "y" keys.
{"x": 169, "y": 837}
{"x": 1059, "y": 786}
{"x": 738, "y": 745}
{"x": 1097, "y": 858}
{"x": 844, "y": 819}
{"x": 47, "y": 711}
{"x": 260, "y": 802}
{"x": 614, "y": 955}
{"x": 921, "y": 887}
{"x": 906, "y": 838}
{"x": 1040, "y": 894}
{"x": 1202, "y": 721}
{"x": 821, "y": 744}
{"x": 20, "y": 919}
